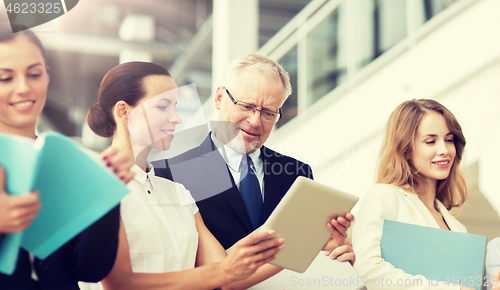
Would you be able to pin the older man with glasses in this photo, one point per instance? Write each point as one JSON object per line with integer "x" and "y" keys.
{"x": 236, "y": 181}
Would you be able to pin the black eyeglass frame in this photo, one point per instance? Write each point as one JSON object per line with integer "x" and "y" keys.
{"x": 255, "y": 108}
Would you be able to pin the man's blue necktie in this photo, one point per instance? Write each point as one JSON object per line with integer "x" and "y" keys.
{"x": 250, "y": 192}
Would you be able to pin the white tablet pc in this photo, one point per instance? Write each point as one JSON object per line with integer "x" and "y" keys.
{"x": 301, "y": 218}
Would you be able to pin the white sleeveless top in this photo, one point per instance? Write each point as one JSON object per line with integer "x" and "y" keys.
{"x": 158, "y": 216}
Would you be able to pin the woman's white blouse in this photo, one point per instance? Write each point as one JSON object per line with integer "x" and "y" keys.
{"x": 158, "y": 216}
{"x": 382, "y": 202}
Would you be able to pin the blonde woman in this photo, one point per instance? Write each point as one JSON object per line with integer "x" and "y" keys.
{"x": 418, "y": 182}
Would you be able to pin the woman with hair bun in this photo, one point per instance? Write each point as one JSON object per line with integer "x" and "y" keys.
{"x": 90, "y": 255}
{"x": 164, "y": 242}
{"x": 419, "y": 181}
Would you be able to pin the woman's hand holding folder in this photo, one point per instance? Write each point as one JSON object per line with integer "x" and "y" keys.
{"x": 16, "y": 211}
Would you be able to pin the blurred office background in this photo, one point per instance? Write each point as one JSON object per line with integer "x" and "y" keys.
{"x": 351, "y": 63}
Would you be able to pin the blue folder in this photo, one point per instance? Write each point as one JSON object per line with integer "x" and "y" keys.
{"x": 435, "y": 253}
{"x": 75, "y": 192}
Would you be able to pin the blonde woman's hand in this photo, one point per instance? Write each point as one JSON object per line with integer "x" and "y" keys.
{"x": 343, "y": 253}
{"x": 249, "y": 253}
{"x": 16, "y": 211}
{"x": 119, "y": 163}
{"x": 495, "y": 281}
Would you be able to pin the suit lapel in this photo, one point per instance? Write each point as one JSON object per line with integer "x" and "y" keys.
{"x": 206, "y": 147}
{"x": 235, "y": 200}
{"x": 216, "y": 168}
{"x": 213, "y": 164}
{"x": 272, "y": 182}
{"x": 450, "y": 221}
{"x": 420, "y": 210}
{"x": 425, "y": 216}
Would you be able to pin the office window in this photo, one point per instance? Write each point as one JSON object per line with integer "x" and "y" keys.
{"x": 380, "y": 24}
{"x": 434, "y": 7}
{"x": 289, "y": 108}
{"x": 326, "y": 61}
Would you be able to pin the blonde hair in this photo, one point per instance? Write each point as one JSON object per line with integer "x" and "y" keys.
{"x": 400, "y": 131}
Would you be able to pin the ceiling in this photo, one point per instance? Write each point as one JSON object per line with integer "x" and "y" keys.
{"x": 84, "y": 44}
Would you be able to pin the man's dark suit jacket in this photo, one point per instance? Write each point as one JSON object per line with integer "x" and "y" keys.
{"x": 89, "y": 257}
{"x": 205, "y": 174}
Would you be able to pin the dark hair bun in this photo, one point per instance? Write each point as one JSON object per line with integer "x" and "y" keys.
{"x": 124, "y": 82}
{"x": 99, "y": 122}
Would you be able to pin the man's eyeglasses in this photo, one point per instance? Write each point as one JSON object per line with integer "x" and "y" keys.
{"x": 266, "y": 115}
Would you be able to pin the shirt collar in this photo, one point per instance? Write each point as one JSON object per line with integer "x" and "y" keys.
{"x": 255, "y": 158}
{"x": 142, "y": 176}
{"x": 232, "y": 157}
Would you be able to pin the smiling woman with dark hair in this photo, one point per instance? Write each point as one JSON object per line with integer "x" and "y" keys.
{"x": 91, "y": 254}
{"x": 164, "y": 242}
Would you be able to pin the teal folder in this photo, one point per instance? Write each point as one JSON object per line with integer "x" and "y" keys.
{"x": 435, "y": 253}
{"x": 75, "y": 191}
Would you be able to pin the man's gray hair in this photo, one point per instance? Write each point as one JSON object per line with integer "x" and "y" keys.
{"x": 259, "y": 64}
